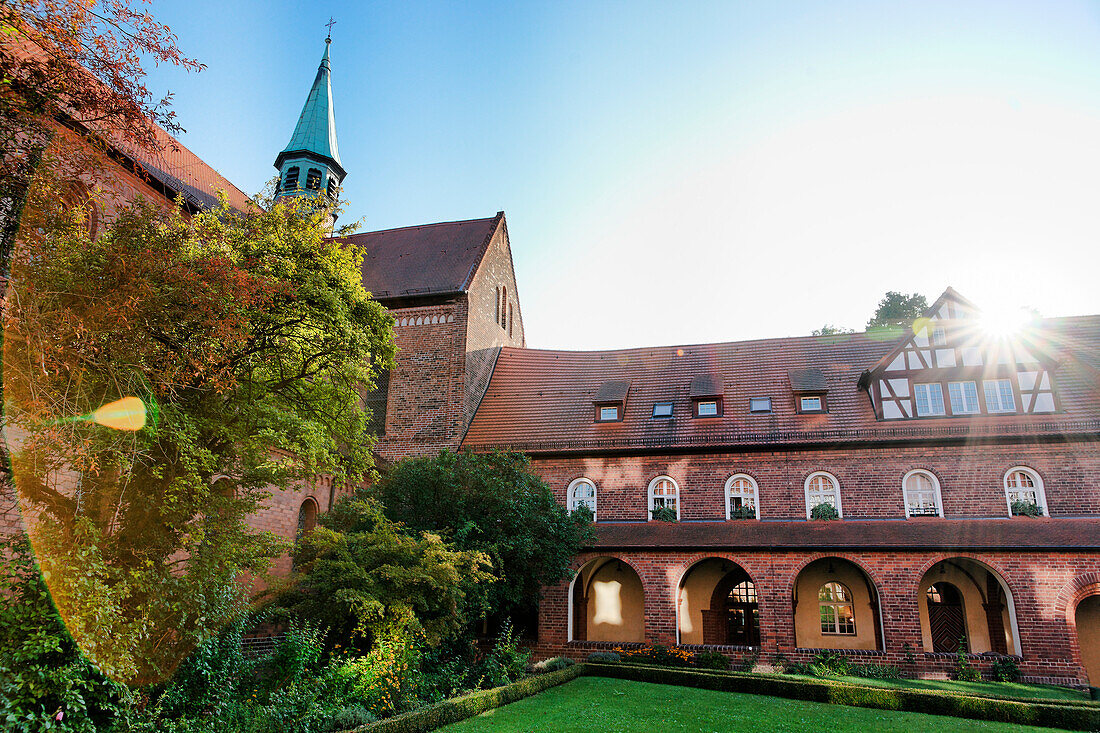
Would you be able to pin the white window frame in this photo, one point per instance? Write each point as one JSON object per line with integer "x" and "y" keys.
{"x": 955, "y": 409}
{"x": 836, "y": 492}
{"x": 935, "y": 487}
{"x": 928, "y": 393}
{"x": 730, "y": 495}
{"x": 1001, "y": 410}
{"x": 836, "y": 605}
{"x": 1040, "y": 491}
{"x": 653, "y": 485}
{"x": 617, "y": 416}
{"x": 939, "y": 336}
{"x": 712, "y": 410}
{"x": 574, "y": 502}
{"x": 802, "y": 403}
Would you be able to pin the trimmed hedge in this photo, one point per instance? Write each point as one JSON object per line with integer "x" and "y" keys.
{"x": 459, "y": 708}
{"x": 1072, "y": 716}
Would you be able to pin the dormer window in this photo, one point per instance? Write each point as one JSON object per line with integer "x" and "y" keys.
{"x": 313, "y": 179}
{"x": 964, "y": 398}
{"x": 706, "y": 396}
{"x": 998, "y": 395}
{"x": 811, "y": 404}
{"x": 809, "y": 387}
{"x": 610, "y": 399}
{"x": 290, "y": 183}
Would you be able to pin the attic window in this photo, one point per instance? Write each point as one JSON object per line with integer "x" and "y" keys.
{"x": 662, "y": 409}
{"x": 313, "y": 179}
{"x": 708, "y": 408}
{"x": 290, "y": 183}
{"x": 609, "y": 401}
{"x": 608, "y": 413}
{"x": 814, "y": 403}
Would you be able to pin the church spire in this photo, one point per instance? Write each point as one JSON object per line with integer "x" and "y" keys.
{"x": 310, "y": 163}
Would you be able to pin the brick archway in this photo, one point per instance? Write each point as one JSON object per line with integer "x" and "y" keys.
{"x": 1069, "y": 598}
{"x": 1009, "y": 589}
{"x": 683, "y": 570}
{"x": 874, "y": 582}
{"x": 577, "y": 620}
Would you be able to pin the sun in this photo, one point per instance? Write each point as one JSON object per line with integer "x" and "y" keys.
{"x": 1006, "y": 322}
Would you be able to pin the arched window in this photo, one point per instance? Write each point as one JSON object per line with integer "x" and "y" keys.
{"x": 837, "y": 615}
{"x": 307, "y": 517}
{"x": 663, "y": 492}
{"x": 922, "y": 494}
{"x": 313, "y": 179}
{"x": 822, "y": 488}
{"x": 583, "y": 491}
{"x": 1024, "y": 491}
{"x": 290, "y": 183}
{"x": 741, "y": 497}
{"x": 78, "y": 195}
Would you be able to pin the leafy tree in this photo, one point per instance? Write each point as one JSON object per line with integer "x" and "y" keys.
{"x": 366, "y": 577}
{"x": 490, "y": 503}
{"x": 830, "y": 330}
{"x": 78, "y": 61}
{"x": 249, "y": 338}
{"x": 898, "y": 311}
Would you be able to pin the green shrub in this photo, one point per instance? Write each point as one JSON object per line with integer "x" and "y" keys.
{"x": 552, "y": 665}
{"x": 459, "y": 708}
{"x": 825, "y": 512}
{"x": 349, "y": 717}
{"x": 876, "y": 671}
{"x": 664, "y": 514}
{"x": 964, "y": 671}
{"x": 1004, "y": 670}
{"x": 749, "y": 663}
{"x": 506, "y": 662}
{"x": 712, "y": 660}
{"x": 658, "y": 654}
{"x": 583, "y": 513}
{"x": 742, "y": 512}
{"x": 605, "y": 657}
{"x": 1026, "y": 509}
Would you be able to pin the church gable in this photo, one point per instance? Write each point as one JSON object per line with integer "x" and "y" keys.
{"x": 950, "y": 365}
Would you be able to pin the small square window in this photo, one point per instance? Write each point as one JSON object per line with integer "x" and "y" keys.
{"x": 609, "y": 413}
{"x": 760, "y": 404}
{"x": 706, "y": 408}
{"x": 809, "y": 404}
{"x": 662, "y": 409}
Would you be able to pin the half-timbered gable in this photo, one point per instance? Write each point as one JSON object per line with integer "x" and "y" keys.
{"x": 951, "y": 365}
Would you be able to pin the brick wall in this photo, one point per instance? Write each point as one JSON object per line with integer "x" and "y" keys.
{"x": 971, "y": 479}
{"x": 424, "y": 409}
{"x": 1044, "y": 589}
{"x": 484, "y": 334}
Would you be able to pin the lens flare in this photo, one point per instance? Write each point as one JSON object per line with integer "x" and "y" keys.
{"x": 125, "y": 414}
{"x": 1005, "y": 323}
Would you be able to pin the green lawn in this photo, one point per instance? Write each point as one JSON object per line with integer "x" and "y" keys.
{"x": 996, "y": 689}
{"x": 605, "y": 705}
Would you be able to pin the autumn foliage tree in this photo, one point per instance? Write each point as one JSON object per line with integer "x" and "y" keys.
{"x": 248, "y": 336}
{"x": 76, "y": 63}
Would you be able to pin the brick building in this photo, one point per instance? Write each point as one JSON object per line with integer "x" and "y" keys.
{"x": 932, "y": 450}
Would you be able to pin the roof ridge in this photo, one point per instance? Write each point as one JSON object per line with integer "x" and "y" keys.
{"x": 416, "y": 226}
{"x": 834, "y": 339}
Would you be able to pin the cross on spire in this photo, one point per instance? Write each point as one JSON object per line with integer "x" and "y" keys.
{"x": 330, "y": 23}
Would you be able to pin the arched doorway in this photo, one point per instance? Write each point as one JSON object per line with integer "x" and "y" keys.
{"x": 1087, "y": 619}
{"x": 606, "y": 602}
{"x": 718, "y": 605}
{"x": 946, "y": 618}
{"x": 836, "y": 607}
{"x": 964, "y": 599}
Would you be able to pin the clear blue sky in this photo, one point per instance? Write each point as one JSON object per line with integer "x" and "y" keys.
{"x": 691, "y": 172}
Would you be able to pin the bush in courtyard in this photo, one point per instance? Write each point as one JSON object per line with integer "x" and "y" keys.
{"x": 664, "y": 514}
{"x": 830, "y": 664}
{"x": 749, "y": 663}
{"x": 604, "y": 657}
{"x": 657, "y": 654}
{"x": 825, "y": 512}
{"x": 506, "y": 662}
{"x": 1004, "y": 670}
{"x": 712, "y": 660}
{"x": 876, "y": 671}
{"x": 964, "y": 670}
{"x": 552, "y": 665}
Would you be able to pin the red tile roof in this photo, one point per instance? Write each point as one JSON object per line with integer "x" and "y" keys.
{"x": 540, "y": 401}
{"x": 952, "y": 534}
{"x": 425, "y": 260}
